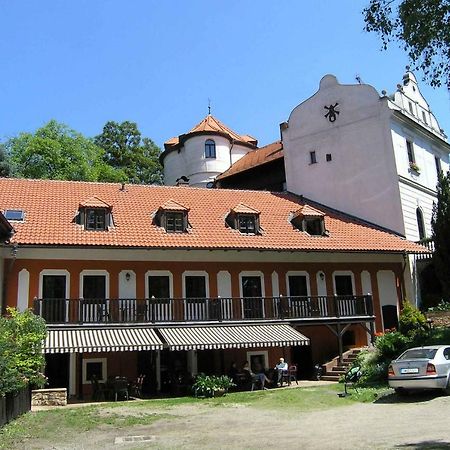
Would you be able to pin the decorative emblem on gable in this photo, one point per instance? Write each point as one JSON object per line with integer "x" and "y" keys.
{"x": 332, "y": 112}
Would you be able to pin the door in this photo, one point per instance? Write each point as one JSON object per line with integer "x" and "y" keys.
{"x": 57, "y": 370}
{"x": 344, "y": 288}
{"x": 195, "y": 288}
{"x": 94, "y": 298}
{"x": 252, "y": 297}
{"x": 159, "y": 288}
{"x": 298, "y": 296}
{"x": 54, "y": 298}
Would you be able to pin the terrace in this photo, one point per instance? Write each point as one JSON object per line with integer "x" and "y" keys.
{"x": 321, "y": 309}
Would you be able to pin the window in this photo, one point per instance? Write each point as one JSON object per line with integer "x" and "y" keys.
{"x": 437, "y": 163}
{"x": 174, "y": 222}
{"x": 95, "y": 219}
{"x": 328, "y": 157}
{"x": 343, "y": 284}
{"x": 94, "y": 367}
{"x": 251, "y": 290}
{"x": 312, "y": 157}
{"x": 420, "y": 224}
{"x": 313, "y": 226}
{"x": 247, "y": 224}
{"x": 298, "y": 285}
{"x": 410, "y": 149}
{"x": 424, "y": 117}
{"x": 210, "y": 149}
{"x": 14, "y": 214}
{"x": 411, "y": 109}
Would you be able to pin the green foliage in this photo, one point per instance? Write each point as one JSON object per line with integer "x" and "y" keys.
{"x": 5, "y": 168}
{"x": 21, "y": 359}
{"x": 412, "y": 322}
{"x": 422, "y": 29}
{"x": 126, "y": 150}
{"x": 208, "y": 385}
{"x": 441, "y": 306}
{"x": 440, "y": 224}
{"x": 57, "y": 152}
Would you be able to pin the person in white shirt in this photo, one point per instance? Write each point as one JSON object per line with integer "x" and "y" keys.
{"x": 281, "y": 367}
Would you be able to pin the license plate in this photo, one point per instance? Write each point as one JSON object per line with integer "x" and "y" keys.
{"x": 411, "y": 370}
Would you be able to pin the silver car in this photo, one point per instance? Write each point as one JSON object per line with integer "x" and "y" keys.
{"x": 421, "y": 368}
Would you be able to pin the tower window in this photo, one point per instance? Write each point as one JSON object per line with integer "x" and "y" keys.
{"x": 420, "y": 224}
{"x": 410, "y": 149}
{"x": 312, "y": 157}
{"x": 437, "y": 162}
{"x": 210, "y": 149}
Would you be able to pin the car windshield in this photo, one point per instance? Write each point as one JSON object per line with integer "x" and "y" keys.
{"x": 419, "y": 353}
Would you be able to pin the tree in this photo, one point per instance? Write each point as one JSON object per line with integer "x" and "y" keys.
{"x": 5, "y": 168}
{"x": 21, "y": 358}
{"x": 125, "y": 149}
{"x": 440, "y": 224}
{"x": 59, "y": 153}
{"x": 423, "y": 29}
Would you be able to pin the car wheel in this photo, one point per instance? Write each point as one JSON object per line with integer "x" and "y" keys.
{"x": 401, "y": 391}
{"x": 446, "y": 390}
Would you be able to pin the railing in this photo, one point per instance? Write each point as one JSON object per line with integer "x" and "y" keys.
{"x": 157, "y": 310}
{"x": 428, "y": 243}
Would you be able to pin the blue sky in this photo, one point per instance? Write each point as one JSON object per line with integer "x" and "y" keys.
{"x": 156, "y": 63}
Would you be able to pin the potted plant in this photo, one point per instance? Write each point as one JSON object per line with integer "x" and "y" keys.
{"x": 211, "y": 385}
{"x": 413, "y": 167}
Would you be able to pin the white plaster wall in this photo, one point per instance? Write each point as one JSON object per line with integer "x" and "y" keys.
{"x": 387, "y": 289}
{"x": 321, "y": 284}
{"x": 224, "y": 284}
{"x": 361, "y": 179}
{"x": 190, "y": 161}
{"x": 23, "y": 290}
{"x": 412, "y": 198}
{"x": 127, "y": 289}
{"x": 366, "y": 282}
{"x": 275, "y": 285}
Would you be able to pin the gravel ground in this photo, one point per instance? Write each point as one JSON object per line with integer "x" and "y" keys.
{"x": 420, "y": 421}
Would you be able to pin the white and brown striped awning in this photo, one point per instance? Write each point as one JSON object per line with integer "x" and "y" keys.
{"x": 235, "y": 336}
{"x": 101, "y": 340}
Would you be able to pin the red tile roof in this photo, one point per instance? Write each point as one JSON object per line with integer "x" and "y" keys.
{"x": 51, "y": 206}
{"x": 307, "y": 211}
{"x": 255, "y": 158}
{"x": 172, "y": 205}
{"x": 94, "y": 202}
{"x": 211, "y": 125}
{"x": 244, "y": 209}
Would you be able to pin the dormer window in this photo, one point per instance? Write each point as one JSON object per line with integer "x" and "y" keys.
{"x": 95, "y": 214}
{"x": 244, "y": 218}
{"x": 173, "y": 217}
{"x": 309, "y": 220}
{"x": 95, "y": 219}
{"x": 210, "y": 149}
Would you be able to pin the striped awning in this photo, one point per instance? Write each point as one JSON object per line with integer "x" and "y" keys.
{"x": 236, "y": 336}
{"x": 101, "y": 340}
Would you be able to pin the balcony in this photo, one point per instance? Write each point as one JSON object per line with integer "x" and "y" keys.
{"x": 178, "y": 310}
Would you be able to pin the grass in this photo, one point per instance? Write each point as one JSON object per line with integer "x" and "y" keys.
{"x": 57, "y": 424}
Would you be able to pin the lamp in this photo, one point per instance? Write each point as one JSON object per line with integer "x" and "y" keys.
{"x": 127, "y": 276}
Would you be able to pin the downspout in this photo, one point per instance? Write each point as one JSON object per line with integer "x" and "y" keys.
{"x": 231, "y": 148}
{"x": 6, "y": 273}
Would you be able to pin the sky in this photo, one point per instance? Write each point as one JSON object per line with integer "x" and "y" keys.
{"x": 158, "y": 62}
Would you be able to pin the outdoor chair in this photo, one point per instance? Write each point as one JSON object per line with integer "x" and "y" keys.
{"x": 137, "y": 386}
{"x": 120, "y": 388}
{"x": 292, "y": 373}
{"x": 285, "y": 378}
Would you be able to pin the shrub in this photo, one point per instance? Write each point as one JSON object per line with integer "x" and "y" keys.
{"x": 21, "y": 358}
{"x": 412, "y": 322}
{"x": 441, "y": 306}
{"x": 208, "y": 385}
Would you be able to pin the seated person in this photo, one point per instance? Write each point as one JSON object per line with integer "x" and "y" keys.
{"x": 233, "y": 372}
{"x": 261, "y": 377}
{"x": 281, "y": 367}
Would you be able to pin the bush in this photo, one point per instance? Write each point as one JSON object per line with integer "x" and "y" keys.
{"x": 208, "y": 385}
{"x": 441, "y": 306}
{"x": 21, "y": 358}
{"x": 412, "y": 322}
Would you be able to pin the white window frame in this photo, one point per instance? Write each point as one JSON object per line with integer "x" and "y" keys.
{"x": 195, "y": 273}
{"x": 88, "y": 272}
{"x": 104, "y": 362}
{"x": 298, "y": 273}
{"x": 263, "y": 353}
{"x": 159, "y": 273}
{"x": 56, "y": 272}
{"x": 252, "y": 273}
{"x": 344, "y": 272}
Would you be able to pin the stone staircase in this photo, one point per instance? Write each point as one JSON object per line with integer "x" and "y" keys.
{"x": 331, "y": 371}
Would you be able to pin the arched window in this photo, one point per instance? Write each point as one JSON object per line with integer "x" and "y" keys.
{"x": 210, "y": 149}
{"x": 420, "y": 223}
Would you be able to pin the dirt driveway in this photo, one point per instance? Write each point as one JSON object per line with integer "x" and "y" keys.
{"x": 417, "y": 422}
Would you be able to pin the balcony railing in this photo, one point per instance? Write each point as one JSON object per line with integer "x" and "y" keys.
{"x": 158, "y": 310}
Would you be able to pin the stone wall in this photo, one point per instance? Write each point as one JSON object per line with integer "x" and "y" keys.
{"x": 440, "y": 319}
{"x": 49, "y": 397}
